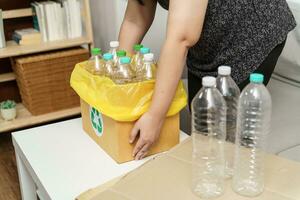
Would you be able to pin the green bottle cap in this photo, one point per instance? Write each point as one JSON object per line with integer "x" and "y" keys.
{"x": 121, "y": 53}
{"x": 125, "y": 60}
{"x": 96, "y": 51}
{"x": 137, "y": 47}
{"x": 256, "y": 78}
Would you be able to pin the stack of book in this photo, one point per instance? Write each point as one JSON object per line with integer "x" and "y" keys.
{"x": 2, "y": 38}
{"x": 57, "y": 20}
{"x": 27, "y": 36}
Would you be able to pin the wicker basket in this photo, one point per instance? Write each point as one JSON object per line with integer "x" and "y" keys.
{"x": 44, "y": 80}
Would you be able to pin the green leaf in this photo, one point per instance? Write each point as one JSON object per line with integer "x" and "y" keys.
{"x": 8, "y": 104}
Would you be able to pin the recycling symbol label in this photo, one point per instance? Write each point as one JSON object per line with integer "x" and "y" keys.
{"x": 96, "y": 121}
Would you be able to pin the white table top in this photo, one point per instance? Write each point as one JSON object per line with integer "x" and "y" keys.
{"x": 65, "y": 161}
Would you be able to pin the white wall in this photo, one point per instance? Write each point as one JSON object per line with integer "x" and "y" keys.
{"x": 103, "y": 20}
{"x": 290, "y": 55}
{"x": 107, "y": 16}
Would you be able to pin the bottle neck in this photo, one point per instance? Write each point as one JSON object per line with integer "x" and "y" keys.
{"x": 114, "y": 49}
{"x": 256, "y": 83}
{"x": 224, "y": 76}
{"x": 209, "y": 87}
{"x": 108, "y": 61}
{"x": 124, "y": 65}
{"x": 97, "y": 62}
{"x": 148, "y": 62}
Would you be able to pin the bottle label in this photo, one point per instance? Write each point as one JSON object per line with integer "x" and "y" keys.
{"x": 96, "y": 121}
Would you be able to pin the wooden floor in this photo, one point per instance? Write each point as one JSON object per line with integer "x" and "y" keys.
{"x": 9, "y": 183}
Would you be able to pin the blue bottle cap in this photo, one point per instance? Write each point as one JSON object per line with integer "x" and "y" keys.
{"x": 125, "y": 60}
{"x": 145, "y": 50}
{"x": 107, "y": 56}
{"x": 256, "y": 78}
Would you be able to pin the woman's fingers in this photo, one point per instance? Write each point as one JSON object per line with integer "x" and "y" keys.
{"x": 141, "y": 148}
{"x": 148, "y": 128}
{"x": 143, "y": 152}
{"x": 134, "y": 133}
{"x": 138, "y": 146}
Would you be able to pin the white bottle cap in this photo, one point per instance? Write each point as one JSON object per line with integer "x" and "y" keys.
{"x": 149, "y": 57}
{"x": 114, "y": 44}
{"x": 209, "y": 81}
{"x": 224, "y": 70}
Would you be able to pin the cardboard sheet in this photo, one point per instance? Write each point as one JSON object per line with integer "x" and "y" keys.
{"x": 169, "y": 177}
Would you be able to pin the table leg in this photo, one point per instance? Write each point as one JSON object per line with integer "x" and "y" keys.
{"x": 27, "y": 185}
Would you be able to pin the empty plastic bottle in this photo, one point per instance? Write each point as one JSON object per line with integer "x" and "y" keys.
{"x": 208, "y": 134}
{"x": 95, "y": 63}
{"x": 148, "y": 68}
{"x": 231, "y": 92}
{"x": 254, "y": 116}
{"x": 114, "y": 45}
{"x": 140, "y": 59}
{"x": 124, "y": 73}
{"x": 120, "y": 54}
{"x": 136, "y": 55}
{"x": 109, "y": 66}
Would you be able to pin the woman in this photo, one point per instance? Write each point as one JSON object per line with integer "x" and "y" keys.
{"x": 247, "y": 35}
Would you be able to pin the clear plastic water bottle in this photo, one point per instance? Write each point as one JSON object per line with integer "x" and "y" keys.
{"x": 136, "y": 55}
{"x": 254, "y": 116}
{"x": 148, "y": 68}
{"x": 114, "y": 45}
{"x": 109, "y": 69}
{"x": 140, "y": 59}
{"x": 120, "y": 54}
{"x": 231, "y": 93}
{"x": 124, "y": 73}
{"x": 95, "y": 63}
{"x": 208, "y": 134}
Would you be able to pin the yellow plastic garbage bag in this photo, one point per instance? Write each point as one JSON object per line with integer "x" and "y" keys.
{"x": 120, "y": 102}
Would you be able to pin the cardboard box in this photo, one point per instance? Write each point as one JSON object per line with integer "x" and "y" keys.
{"x": 113, "y": 136}
{"x": 169, "y": 177}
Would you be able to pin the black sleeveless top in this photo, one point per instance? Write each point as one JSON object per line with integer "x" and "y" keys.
{"x": 238, "y": 33}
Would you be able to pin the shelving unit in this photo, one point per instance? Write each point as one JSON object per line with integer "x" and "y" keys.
{"x": 13, "y": 49}
{"x": 9, "y": 14}
{"x": 24, "y": 118}
{"x": 7, "y": 77}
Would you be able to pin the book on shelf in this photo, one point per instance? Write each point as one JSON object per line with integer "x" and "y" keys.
{"x": 2, "y": 37}
{"x": 27, "y": 36}
{"x": 57, "y": 20}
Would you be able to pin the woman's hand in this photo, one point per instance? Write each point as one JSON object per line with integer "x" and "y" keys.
{"x": 148, "y": 128}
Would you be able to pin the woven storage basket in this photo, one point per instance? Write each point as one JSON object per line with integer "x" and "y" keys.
{"x": 44, "y": 80}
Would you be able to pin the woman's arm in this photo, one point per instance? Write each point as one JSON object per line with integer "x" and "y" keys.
{"x": 185, "y": 22}
{"x": 137, "y": 20}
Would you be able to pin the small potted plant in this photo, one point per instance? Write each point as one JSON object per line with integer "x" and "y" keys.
{"x": 8, "y": 110}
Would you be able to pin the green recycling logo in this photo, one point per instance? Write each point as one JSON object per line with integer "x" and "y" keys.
{"x": 96, "y": 121}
